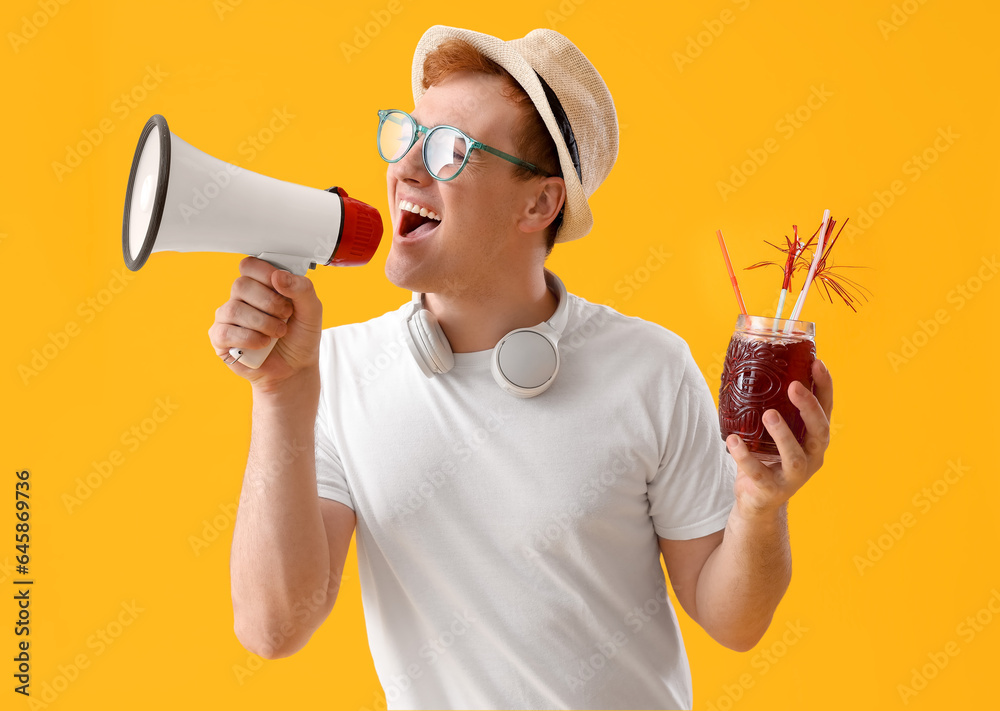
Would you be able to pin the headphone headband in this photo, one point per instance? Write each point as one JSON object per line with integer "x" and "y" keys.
{"x": 524, "y": 362}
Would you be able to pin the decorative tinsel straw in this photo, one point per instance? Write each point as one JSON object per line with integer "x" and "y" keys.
{"x": 800, "y": 302}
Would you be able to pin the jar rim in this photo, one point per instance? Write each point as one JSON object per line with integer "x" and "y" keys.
{"x": 769, "y": 325}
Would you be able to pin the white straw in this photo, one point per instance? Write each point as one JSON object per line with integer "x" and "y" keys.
{"x": 781, "y": 302}
{"x": 800, "y": 302}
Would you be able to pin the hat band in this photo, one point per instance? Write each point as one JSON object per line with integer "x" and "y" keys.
{"x": 564, "y": 126}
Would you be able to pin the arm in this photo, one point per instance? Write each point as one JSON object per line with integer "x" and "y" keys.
{"x": 730, "y": 582}
{"x": 289, "y": 545}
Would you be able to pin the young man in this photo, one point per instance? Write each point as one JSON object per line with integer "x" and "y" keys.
{"x": 514, "y": 458}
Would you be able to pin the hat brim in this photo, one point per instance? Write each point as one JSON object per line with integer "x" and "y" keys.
{"x": 577, "y": 217}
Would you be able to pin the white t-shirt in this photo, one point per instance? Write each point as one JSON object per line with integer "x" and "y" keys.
{"x": 507, "y": 547}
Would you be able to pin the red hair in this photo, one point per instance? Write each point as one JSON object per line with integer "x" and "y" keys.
{"x": 532, "y": 141}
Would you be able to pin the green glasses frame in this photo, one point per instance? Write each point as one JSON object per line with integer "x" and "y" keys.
{"x": 384, "y": 114}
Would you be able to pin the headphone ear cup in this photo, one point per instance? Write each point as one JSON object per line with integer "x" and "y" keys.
{"x": 525, "y": 362}
{"x": 428, "y": 343}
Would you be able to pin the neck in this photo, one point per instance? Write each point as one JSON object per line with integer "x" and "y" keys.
{"x": 476, "y": 320}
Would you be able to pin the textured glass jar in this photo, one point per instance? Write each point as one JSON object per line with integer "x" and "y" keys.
{"x": 765, "y": 355}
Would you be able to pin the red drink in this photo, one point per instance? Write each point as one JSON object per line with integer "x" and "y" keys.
{"x": 765, "y": 355}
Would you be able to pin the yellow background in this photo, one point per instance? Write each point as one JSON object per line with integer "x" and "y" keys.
{"x": 149, "y": 544}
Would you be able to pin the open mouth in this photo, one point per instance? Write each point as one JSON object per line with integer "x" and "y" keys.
{"x": 416, "y": 221}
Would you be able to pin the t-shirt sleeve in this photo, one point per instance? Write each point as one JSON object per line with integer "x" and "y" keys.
{"x": 331, "y": 481}
{"x": 691, "y": 494}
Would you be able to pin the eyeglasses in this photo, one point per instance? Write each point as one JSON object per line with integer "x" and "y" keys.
{"x": 445, "y": 151}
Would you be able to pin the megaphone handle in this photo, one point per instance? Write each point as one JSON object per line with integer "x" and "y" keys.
{"x": 252, "y": 358}
{"x": 296, "y": 265}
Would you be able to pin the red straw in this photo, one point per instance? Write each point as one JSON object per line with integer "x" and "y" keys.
{"x": 732, "y": 275}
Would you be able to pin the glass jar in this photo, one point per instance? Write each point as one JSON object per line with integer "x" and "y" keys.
{"x": 765, "y": 355}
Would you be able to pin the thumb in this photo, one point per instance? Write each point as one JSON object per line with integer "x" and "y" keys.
{"x": 308, "y": 309}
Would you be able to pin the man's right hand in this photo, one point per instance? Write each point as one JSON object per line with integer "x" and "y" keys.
{"x": 260, "y": 299}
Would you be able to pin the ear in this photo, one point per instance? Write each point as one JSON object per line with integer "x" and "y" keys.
{"x": 543, "y": 202}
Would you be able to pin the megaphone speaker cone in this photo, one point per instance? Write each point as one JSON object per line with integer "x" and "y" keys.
{"x": 146, "y": 194}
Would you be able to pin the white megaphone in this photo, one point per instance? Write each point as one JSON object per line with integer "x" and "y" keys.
{"x": 180, "y": 199}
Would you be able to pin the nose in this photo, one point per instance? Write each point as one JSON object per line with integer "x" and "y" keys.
{"x": 410, "y": 168}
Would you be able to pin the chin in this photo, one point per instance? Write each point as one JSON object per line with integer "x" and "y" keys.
{"x": 403, "y": 274}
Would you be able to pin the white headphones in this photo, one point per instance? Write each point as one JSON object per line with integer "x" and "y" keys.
{"x": 525, "y": 361}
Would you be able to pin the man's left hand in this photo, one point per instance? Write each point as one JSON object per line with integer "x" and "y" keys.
{"x": 763, "y": 489}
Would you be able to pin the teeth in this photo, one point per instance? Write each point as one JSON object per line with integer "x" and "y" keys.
{"x": 416, "y": 209}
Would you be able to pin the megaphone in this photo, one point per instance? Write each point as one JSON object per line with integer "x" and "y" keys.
{"x": 180, "y": 199}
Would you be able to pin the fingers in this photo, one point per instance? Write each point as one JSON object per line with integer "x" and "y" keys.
{"x": 225, "y": 336}
{"x": 269, "y": 303}
{"x": 758, "y": 487}
{"x": 240, "y": 314}
{"x": 815, "y": 408}
{"x": 823, "y": 386}
{"x": 257, "y": 269}
{"x": 300, "y": 292}
{"x": 795, "y": 468}
{"x": 746, "y": 461}
{"x": 773, "y": 485}
{"x": 261, "y": 298}
{"x": 254, "y": 314}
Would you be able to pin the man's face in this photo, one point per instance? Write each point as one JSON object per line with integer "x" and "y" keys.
{"x": 466, "y": 251}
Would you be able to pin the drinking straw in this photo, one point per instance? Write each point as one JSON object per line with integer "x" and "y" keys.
{"x": 793, "y": 254}
{"x": 800, "y": 302}
{"x": 732, "y": 275}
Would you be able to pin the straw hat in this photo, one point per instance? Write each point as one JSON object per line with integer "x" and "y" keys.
{"x": 578, "y": 89}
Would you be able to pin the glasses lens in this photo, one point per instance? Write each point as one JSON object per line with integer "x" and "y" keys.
{"x": 445, "y": 150}
{"x": 395, "y": 132}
